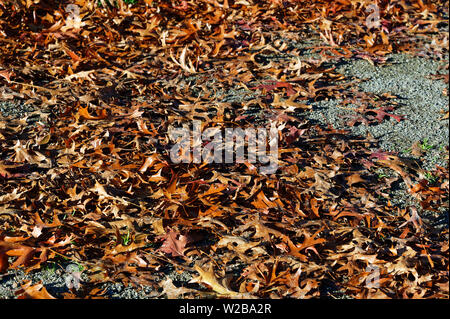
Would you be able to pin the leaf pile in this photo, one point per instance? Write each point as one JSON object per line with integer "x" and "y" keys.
{"x": 91, "y": 179}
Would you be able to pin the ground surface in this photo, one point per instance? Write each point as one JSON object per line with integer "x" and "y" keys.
{"x": 420, "y": 99}
{"x": 341, "y": 205}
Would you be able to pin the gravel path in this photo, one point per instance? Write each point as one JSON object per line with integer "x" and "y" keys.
{"x": 420, "y": 99}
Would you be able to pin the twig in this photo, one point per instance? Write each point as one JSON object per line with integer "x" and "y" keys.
{"x": 34, "y": 86}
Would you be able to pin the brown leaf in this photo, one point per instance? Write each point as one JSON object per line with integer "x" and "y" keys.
{"x": 416, "y": 150}
{"x": 173, "y": 292}
{"x": 30, "y": 291}
{"x": 353, "y": 179}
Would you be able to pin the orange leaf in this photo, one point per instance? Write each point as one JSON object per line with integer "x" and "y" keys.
{"x": 30, "y": 291}
{"x": 72, "y": 55}
{"x": 85, "y": 114}
{"x": 314, "y": 207}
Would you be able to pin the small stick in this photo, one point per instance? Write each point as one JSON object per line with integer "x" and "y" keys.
{"x": 34, "y": 86}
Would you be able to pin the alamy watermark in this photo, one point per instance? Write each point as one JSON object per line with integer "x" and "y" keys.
{"x": 373, "y": 20}
{"x": 73, "y": 276}
{"x": 373, "y": 279}
{"x": 73, "y": 20}
{"x": 217, "y": 145}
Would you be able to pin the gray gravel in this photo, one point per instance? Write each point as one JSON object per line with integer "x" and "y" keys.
{"x": 8, "y": 108}
{"x": 53, "y": 276}
{"x": 420, "y": 100}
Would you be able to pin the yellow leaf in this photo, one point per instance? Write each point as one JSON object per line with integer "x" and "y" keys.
{"x": 208, "y": 277}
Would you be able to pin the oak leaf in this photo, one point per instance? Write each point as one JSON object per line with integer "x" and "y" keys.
{"x": 174, "y": 244}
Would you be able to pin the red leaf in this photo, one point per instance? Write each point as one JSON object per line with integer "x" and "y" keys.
{"x": 270, "y": 87}
{"x": 381, "y": 155}
{"x": 174, "y": 244}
